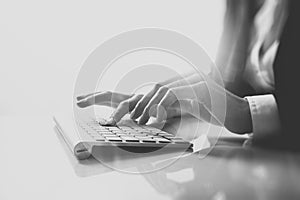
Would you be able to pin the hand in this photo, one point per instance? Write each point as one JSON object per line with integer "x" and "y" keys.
{"x": 195, "y": 100}
{"x": 122, "y": 102}
{"x": 151, "y": 99}
{"x": 175, "y": 101}
{"x": 126, "y": 103}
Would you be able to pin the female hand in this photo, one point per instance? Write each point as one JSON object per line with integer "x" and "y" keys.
{"x": 122, "y": 102}
{"x": 169, "y": 99}
{"x": 228, "y": 110}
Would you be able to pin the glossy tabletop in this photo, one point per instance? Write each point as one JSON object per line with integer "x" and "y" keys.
{"x": 36, "y": 164}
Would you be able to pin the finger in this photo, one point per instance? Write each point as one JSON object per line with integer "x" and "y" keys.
{"x": 163, "y": 87}
{"x": 198, "y": 110}
{"x": 173, "y": 82}
{"x": 196, "y": 91}
{"x": 104, "y": 98}
{"x": 173, "y": 95}
{"x": 138, "y": 110}
{"x": 171, "y": 112}
{"x": 124, "y": 108}
{"x": 166, "y": 101}
{"x": 155, "y": 100}
{"x": 79, "y": 98}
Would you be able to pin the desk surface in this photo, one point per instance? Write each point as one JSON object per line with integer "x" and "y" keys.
{"x": 36, "y": 165}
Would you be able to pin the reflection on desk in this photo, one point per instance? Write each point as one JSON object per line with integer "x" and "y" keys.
{"x": 34, "y": 165}
{"x": 227, "y": 170}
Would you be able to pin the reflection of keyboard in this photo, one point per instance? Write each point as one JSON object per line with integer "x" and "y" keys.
{"x": 133, "y": 135}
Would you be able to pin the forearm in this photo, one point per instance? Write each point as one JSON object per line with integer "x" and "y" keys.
{"x": 177, "y": 78}
{"x": 234, "y": 44}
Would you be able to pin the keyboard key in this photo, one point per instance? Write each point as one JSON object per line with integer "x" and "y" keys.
{"x": 140, "y": 134}
{"x": 125, "y": 128}
{"x": 104, "y": 132}
{"x": 113, "y": 128}
{"x": 114, "y": 139}
{"x": 149, "y": 140}
{"x": 163, "y": 140}
{"x": 100, "y": 129}
{"x": 117, "y": 131}
{"x": 121, "y": 134}
{"x": 94, "y": 134}
{"x": 130, "y": 139}
{"x": 99, "y": 138}
{"x": 165, "y": 134}
{"x": 143, "y": 138}
{"x": 138, "y": 129}
{"x": 91, "y": 132}
{"x": 108, "y": 135}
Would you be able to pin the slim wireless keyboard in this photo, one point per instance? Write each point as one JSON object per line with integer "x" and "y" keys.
{"x": 133, "y": 135}
{"x": 92, "y": 138}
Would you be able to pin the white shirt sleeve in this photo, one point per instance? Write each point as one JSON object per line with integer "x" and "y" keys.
{"x": 265, "y": 116}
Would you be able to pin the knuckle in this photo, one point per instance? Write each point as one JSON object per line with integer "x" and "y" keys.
{"x": 170, "y": 93}
{"x": 139, "y": 96}
{"x": 124, "y": 103}
{"x": 157, "y": 86}
{"x": 107, "y": 93}
{"x": 163, "y": 90}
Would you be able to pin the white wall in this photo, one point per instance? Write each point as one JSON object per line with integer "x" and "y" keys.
{"x": 44, "y": 43}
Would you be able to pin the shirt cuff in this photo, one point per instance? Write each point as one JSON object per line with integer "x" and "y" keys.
{"x": 265, "y": 116}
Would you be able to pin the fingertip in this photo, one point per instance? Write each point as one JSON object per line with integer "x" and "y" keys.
{"x": 82, "y": 104}
{"x": 109, "y": 122}
{"x": 102, "y": 122}
{"x": 132, "y": 115}
{"x": 158, "y": 118}
{"x": 79, "y": 98}
{"x": 143, "y": 119}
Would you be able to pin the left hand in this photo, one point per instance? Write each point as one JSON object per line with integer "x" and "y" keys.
{"x": 122, "y": 103}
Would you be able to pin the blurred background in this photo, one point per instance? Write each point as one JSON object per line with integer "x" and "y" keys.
{"x": 44, "y": 43}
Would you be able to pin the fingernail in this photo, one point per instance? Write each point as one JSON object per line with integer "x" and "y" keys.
{"x": 159, "y": 116}
{"x": 82, "y": 103}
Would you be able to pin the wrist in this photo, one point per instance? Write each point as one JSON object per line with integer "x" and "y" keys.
{"x": 238, "y": 116}
{"x": 246, "y": 112}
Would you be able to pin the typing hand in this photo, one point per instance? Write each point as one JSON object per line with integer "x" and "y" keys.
{"x": 122, "y": 102}
{"x": 194, "y": 96}
{"x": 148, "y": 103}
{"x": 174, "y": 98}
